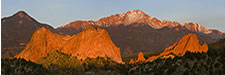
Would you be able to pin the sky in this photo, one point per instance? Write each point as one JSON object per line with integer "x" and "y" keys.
{"x": 208, "y": 13}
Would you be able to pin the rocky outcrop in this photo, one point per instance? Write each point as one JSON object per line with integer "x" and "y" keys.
{"x": 42, "y": 42}
{"x": 189, "y": 43}
{"x": 92, "y": 43}
{"x": 139, "y": 59}
{"x": 89, "y": 43}
{"x": 132, "y": 61}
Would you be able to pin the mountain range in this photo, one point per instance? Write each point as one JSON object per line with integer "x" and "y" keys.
{"x": 132, "y": 32}
{"x": 103, "y": 47}
{"x": 141, "y": 18}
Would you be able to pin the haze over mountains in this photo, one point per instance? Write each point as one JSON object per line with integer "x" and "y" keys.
{"x": 132, "y": 32}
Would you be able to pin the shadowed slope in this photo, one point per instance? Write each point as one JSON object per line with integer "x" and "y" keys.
{"x": 17, "y": 31}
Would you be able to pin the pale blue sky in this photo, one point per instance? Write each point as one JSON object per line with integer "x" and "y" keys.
{"x": 209, "y": 13}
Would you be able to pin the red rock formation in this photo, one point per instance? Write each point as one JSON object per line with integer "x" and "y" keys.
{"x": 42, "y": 42}
{"x": 151, "y": 58}
{"x": 92, "y": 43}
{"x": 140, "y": 58}
{"x": 132, "y": 61}
{"x": 89, "y": 43}
{"x": 189, "y": 43}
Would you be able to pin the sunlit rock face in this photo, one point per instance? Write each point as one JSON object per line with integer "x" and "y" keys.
{"x": 139, "y": 59}
{"x": 189, "y": 43}
{"x": 42, "y": 42}
{"x": 89, "y": 43}
{"x": 92, "y": 43}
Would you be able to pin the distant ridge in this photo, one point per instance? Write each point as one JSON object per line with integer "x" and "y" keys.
{"x": 135, "y": 31}
{"x": 138, "y": 16}
{"x": 17, "y": 31}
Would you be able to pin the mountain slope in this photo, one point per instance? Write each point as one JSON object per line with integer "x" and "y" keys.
{"x": 138, "y": 16}
{"x": 17, "y": 31}
{"x": 89, "y": 43}
{"x": 135, "y": 31}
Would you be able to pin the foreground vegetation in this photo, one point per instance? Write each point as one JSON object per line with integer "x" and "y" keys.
{"x": 20, "y": 67}
{"x": 58, "y": 63}
{"x": 210, "y": 63}
{"x": 90, "y": 66}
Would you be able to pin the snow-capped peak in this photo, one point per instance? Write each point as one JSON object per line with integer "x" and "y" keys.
{"x": 197, "y": 28}
{"x": 138, "y": 16}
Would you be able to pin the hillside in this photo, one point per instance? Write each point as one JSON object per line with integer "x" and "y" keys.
{"x": 17, "y": 31}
